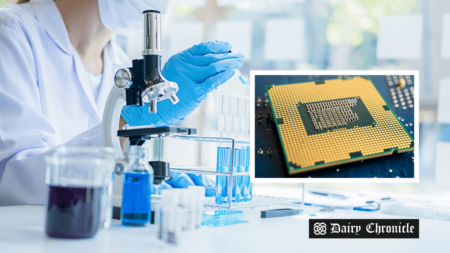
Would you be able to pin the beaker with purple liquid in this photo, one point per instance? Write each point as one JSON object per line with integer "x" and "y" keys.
{"x": 73, "y": 212}
{"x": 108, "y": 156}
{"x": 75, "y": 186}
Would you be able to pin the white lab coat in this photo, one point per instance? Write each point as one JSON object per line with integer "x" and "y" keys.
{"x": 45, "y": 98}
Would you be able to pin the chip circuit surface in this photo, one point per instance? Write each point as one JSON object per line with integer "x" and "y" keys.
{"x": 333, "y": 122}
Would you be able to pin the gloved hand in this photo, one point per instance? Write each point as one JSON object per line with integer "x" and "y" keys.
{"x": 183, "y": 180}
{"x": 197, "y": 71}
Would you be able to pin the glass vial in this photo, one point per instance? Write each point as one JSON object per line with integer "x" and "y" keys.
{"x": 137, "y": 185}
{"x": 199, "y": 193}
{"x": 170, "y": 222}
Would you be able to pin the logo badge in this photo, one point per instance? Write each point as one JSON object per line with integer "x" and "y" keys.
{"x": 320, "y": 228}
{"x": 363, "y": 228}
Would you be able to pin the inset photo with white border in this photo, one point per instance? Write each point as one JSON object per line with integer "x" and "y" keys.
{"x": 319, "y": 126}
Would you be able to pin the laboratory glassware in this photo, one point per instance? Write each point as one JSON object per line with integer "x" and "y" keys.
{"x": 199, "y": 194}
{"x": 239, "y": 76}
{"x": 74, "y": 196}
{"x": 224, "y": 159}
{"x": 222, "y": 182}
{"x": 178, "y": 210}
{"x": 183, "y": 208}
{"x": 241, "y": 79}
{"x": 222, "y": 218}
{"x": 248, "y": 185}
{"x": 233, "y": 121}
{"x": 137, "y": 186}
{"x": 239, "y": 186}
{"x": 169, "y": 219}
{"x": 109, "y": 156}
{"x": 190, "y": 208}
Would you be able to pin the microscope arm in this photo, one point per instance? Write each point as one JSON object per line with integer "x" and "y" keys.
{"x": 111, "y": 117}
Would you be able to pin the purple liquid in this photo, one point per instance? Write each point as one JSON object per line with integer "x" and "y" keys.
{"x": 73, "y": 212}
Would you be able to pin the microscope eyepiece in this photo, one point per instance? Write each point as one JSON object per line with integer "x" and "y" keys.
{"x": 157, "y": 88}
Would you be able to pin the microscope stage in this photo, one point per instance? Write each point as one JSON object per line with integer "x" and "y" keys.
{"x": 155, "y": 132}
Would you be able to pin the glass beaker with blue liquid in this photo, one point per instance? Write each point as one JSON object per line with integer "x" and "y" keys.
{"x": 137, "y": 186}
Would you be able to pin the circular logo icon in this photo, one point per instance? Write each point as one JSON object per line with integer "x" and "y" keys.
{"x": 320, "y": 228}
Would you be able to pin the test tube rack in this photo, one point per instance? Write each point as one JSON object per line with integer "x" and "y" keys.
{"x": 212, "y": 170}
{"x": 257, "y": 200}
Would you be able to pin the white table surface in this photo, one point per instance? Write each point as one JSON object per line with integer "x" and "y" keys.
{"x": 22, "y": 230}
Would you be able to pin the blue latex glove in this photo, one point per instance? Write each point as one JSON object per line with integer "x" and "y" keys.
{"x": 197, "y": 71}
{"x": 183, "y": 180}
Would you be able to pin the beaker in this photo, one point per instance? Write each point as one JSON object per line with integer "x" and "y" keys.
{"x": 74, "y": 196}
{"x": 109, "y": 157}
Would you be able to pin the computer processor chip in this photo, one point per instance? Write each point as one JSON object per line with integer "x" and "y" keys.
{"x": 333, "y": 122}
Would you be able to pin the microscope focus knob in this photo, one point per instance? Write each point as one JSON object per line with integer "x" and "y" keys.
{"x": 122, "y": 79}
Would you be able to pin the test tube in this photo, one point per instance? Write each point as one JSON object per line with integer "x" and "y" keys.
{"x": 223, "y": 153}
{"x": 223, "y": 165}
{"x": 248, "y": 185}
{"x": 235, "y": 111}
{"x": 241, "y": 78}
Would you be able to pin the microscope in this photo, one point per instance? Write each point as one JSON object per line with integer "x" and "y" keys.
{"x": 139, "y": 84}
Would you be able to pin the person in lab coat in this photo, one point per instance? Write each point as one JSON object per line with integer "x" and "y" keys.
{"x": 57, "y": 63}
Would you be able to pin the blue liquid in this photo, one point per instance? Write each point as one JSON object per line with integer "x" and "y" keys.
{"x": 247, "y": 184}
{"x": 136, "y": 198}
{"x": 239, "y": 192}
{"x": 223, "y": 218}
{"x": 240, "y": 186}
{"x": 241, "y": 78}
{"x": 248, "y": 189}
{"x": 223, "y": 165}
